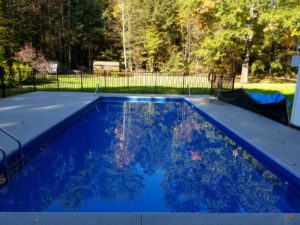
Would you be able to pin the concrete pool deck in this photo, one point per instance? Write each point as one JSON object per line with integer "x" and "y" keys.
{"x": 26, "y": 116}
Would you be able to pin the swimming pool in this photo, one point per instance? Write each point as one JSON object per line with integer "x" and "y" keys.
{"x": 144, "y": 155}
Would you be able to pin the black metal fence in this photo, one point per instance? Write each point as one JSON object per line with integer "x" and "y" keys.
{"x": 116, "y": 82}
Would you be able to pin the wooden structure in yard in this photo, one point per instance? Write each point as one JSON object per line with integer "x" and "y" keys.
{"x": 99, "y": 66}
{"x": 52, "y": 67}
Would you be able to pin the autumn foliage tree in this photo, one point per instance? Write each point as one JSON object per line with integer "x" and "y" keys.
{"x": 156, "y": 35}
{"x": 29, "y": 55}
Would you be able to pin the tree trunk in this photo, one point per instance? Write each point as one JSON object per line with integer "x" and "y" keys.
{"x": 69, "y": 37}
{"x": 245, "y": 67}
{"x": 89, "y": 57}
{"x": 62, "y": 43}
{"x": 129, "y": 45}
{"x": 123, "y": 34}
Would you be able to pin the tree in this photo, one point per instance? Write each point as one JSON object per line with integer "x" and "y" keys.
{"x": 7, "y": 38}
{"x": 29, "y": 55}
{"x": 152, "y": 45}
{"x": 123, "y": 34}
{"x": 201, "y": 34}
{"x": 250, "y": 35}
{"x": 281, "y": 30}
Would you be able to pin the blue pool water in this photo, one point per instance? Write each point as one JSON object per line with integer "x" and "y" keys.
{"x": 145, "y": 157}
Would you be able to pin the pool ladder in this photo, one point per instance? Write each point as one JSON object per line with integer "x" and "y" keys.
{"x": 11, "y": 168}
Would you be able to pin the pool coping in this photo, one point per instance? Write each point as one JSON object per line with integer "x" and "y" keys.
{"x": 149, "y": 219}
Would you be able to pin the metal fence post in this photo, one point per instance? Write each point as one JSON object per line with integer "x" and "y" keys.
{"x": 20, "y": 79}
{"x": 233, "y": 81}
{"x": 211, "y": 87}
{"x": 105, "y": 81}
{"x": 155, "y": 83}
{"x": 2, "y": 72}
{"x": 81, "y": 81}
{"x": 57, "y": 80}
{"x": 127, "y": 82}
{"x": 233, "y": 75}
{"x": 183, "y": 84}
{"x": 34, "y": 82}
{"x": 212, "y": 78}
{"x": 219, "y": 86}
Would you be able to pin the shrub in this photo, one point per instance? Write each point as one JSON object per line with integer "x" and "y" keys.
{"x": 25, "y": 71}
{"x": 175, "y": 64}
{"x": 258, "y": 67}
{"x": 276, "y": 68}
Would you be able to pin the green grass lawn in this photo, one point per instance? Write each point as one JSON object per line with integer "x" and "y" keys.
{"x": 138, "y": 83}
{"x": 129, "y": 84}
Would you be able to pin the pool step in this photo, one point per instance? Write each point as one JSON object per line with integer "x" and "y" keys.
{"x": 2, "y": 179}
{"x": 14, "y": 167}
{"x": 11, "y": 168}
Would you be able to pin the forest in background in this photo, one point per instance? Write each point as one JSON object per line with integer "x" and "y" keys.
{"x": 175, "y": 36}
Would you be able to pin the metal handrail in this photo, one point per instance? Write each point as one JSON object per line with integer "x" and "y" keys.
{"x": 97, "y": 88}
{"x": 15, "y": 139}
{"x": 5, "y": 162}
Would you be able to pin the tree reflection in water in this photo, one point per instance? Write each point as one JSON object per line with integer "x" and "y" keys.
{"x": 110, "y": 156}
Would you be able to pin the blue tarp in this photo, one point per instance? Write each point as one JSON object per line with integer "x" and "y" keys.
{"x": 267, "y": 99}
{"x": 258, "y": 103}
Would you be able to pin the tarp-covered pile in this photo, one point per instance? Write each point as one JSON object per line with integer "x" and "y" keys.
{"x": 271, "y": 106}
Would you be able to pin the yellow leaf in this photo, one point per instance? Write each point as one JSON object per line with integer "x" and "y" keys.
{"x": 294, "y": 32}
